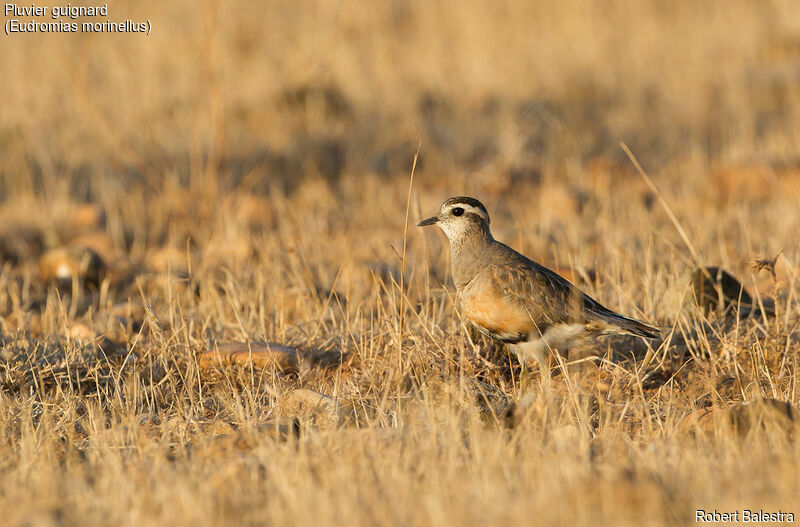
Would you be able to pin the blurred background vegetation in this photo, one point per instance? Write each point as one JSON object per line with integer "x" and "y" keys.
{"x": 264, "y": 94}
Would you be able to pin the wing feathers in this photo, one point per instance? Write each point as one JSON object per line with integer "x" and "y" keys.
{"x": 549, "y": 299}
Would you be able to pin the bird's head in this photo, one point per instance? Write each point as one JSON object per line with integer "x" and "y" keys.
{"x": 459, "y": 217}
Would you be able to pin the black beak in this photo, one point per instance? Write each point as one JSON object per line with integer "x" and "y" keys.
{"x": 429, "y": 221}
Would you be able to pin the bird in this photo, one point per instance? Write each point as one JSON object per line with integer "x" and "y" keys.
{"x": 514, "y": 300}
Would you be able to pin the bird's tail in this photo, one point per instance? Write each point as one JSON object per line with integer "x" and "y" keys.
{"x": 631, "y": 326}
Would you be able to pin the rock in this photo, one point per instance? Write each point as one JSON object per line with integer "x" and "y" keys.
{"x": 317, "y": 410}
{"x": 744, "y": 416}
{"x": 715, "y": 289}
{"x": 259, "y": 354}
{"x": 64, "y": 264}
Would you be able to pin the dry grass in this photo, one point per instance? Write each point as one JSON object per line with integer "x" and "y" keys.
{"x": 242, "y": 174}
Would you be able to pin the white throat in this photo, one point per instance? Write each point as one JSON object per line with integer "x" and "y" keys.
{"x": 456, "y": 231}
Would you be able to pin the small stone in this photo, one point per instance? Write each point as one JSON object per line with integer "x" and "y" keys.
{"x": 64, "y": 264}
{"x": 715, "y": 289}
{"x": 259, "y": 354}
{"x": 319, "y": 410}
{"x": 744, "y": 416}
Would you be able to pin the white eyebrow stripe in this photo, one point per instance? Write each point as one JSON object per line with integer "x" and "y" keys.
{"x": 469, "y": 208}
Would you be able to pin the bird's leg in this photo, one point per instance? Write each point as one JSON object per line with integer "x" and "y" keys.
{"x": 524, "y": 374}
{"x": 542, "y": 356}
{"x": 539, "y": 351}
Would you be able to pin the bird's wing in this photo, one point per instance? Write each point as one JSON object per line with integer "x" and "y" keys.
{"x": 550, "y": 299}
{"x": 546, "y": 297}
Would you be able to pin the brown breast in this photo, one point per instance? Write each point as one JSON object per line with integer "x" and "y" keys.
{"x": 483, "y": 304}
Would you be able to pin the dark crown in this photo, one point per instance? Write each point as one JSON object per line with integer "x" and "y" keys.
{"x": 466, "y": 200}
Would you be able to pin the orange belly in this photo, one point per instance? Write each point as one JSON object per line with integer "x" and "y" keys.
{"x": 486, "y": 308}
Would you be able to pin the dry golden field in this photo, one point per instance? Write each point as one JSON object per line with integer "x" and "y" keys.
{"x": 242, "y": 174}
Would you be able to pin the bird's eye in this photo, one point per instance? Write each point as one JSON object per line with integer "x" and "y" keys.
{"x": 458, "y": 211}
